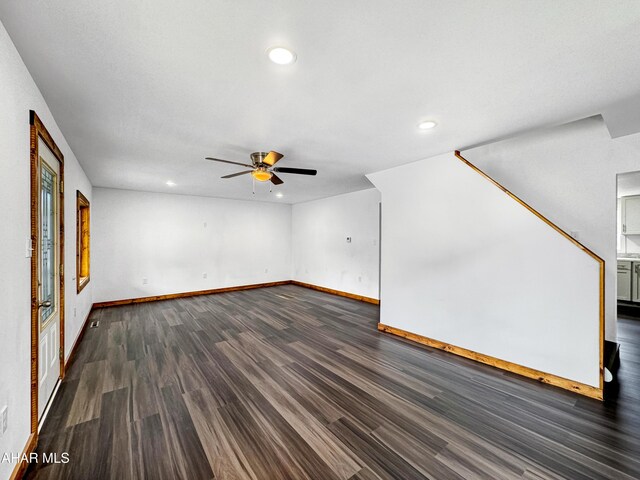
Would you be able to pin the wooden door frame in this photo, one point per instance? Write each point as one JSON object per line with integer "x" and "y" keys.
{"x": 38, "y": 131}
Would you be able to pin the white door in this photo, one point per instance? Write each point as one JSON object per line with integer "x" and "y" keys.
{"x": 48, "y": 250}
{"x": 635, "y": 282}
{"x": 624, "y": 280}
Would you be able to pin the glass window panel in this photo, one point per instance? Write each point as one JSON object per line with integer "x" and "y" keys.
{"x": 47, "y": 235}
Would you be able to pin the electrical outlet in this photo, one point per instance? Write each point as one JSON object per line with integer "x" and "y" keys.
{"x": 145, "y": 280}
{"x": 75, "y": 313}
{"x": 204, "y": 275}
{"x": 4, "y": 418}
{"x": 348, "y": 239}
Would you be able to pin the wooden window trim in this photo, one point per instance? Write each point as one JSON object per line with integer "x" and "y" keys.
{"x": 83, "y": 238}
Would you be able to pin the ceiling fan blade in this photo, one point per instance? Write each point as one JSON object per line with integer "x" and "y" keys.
{"x": 276, "y": 180}
{"x": 272, "y": 157}
{"x": 299, "y": 171}
{"x": 229, "y": 161}
{"x": 237, "y": 174}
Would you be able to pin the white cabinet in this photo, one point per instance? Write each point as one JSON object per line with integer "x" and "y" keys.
{"x": 624, "y": 280}
{"x": 635, "y": 283}
{"x": 631, "y": 215}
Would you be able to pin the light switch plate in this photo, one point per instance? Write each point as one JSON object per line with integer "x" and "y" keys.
{"x": 4, "y": 418}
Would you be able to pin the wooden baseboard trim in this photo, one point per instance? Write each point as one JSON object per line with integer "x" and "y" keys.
{"x": 172, "y": 296}
{"x": 543, "y": 377}
{"x": 21, "y": 467}
{"x": 362, "y": 298}
{"x": 77, "y": 341}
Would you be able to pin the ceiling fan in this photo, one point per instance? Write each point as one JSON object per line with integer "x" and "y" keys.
{"x": 262, "y": 168}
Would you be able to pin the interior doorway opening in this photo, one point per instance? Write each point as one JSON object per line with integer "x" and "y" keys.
{"x": 628, "y": 244}
{"x": 627, "y": 283}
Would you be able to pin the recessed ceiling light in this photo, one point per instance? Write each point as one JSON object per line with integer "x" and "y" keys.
{"x": 427, "y": 125}
{"x": 170, "y": 183}
{"x": 279, "y": 195}
{"x": 281, "y": 55}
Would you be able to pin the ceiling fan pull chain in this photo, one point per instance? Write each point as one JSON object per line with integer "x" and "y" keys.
{"x": 253, "y": 181}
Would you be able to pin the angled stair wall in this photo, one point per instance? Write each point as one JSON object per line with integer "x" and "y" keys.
{"x": 469, "y": 268}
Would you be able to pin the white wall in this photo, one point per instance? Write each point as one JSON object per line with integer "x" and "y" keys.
{"x": 321, "y": 254}
{"x": 465, "y": 264}
{"x": 568, "y": 173}
{"x": 163, "y": 238}
{"x": 78, "y": 305}
{"x": 18, "y": 95}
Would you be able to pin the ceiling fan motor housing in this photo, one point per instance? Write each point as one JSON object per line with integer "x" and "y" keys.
{"x": 257, "y": 158}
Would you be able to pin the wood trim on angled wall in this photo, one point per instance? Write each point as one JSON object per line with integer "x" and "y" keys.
{"x": 589, "y": 252}
{"x": 531, "y": 209}
{"x": 171, "y": 296}
{"x": 361, "y": 298}
{"x": 543, "y": 377}
{"x": 21, "y": 467}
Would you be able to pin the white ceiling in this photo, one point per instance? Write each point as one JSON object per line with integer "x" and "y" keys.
{"x": 144, "y": 90}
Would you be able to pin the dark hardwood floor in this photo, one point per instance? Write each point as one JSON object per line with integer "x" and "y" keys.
{"x": 291, "y": 383}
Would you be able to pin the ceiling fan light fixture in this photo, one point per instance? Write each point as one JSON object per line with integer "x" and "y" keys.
{"x": 261, "y": 175}
{"x": 281, "y": 55}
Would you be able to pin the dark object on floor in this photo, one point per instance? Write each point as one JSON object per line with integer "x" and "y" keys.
{"x": 612, "y": 356}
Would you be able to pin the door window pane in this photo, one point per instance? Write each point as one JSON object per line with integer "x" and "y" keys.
{"x": 48, "y": 241}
